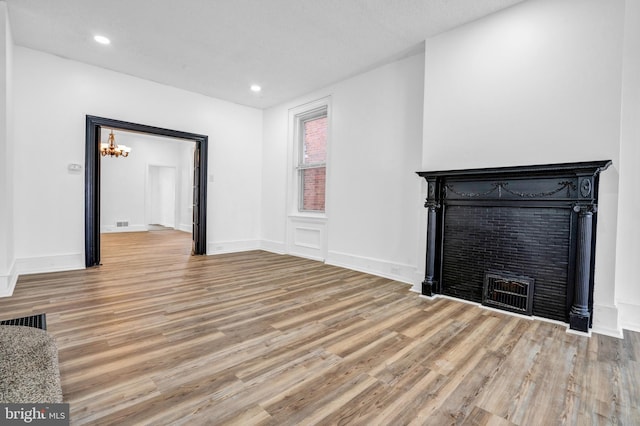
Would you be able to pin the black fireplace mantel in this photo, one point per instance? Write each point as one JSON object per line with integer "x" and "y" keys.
{"x": 498, "y": 200}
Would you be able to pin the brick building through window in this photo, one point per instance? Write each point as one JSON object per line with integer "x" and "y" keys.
{"x": 312, "y": 165}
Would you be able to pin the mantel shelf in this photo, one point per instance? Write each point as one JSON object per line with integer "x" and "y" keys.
{"x": 580, "y": 168}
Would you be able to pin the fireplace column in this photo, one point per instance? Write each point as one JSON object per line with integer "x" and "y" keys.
{"x": 579, "y": 316}
{"x": 429, "y": 285}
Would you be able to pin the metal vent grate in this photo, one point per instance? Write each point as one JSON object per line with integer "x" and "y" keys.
{"x": 508, "y": 292}
{"x": 35, "y": 321}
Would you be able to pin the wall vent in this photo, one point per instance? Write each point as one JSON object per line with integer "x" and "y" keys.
{"x": 122, "y": 224}
{"x": 508, "y": 292}
{"x": 35, "y": 321}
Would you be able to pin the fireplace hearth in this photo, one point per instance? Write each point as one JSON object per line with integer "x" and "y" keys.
{"x": 515, "y": 238}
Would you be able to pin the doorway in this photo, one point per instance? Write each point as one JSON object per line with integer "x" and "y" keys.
{"x": 92, "y": 181}
{"x": 162, "y": 196}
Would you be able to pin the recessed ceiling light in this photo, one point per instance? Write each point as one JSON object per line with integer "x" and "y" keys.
{"x": 102, "y": 39}
{"x": 255, "y": 88}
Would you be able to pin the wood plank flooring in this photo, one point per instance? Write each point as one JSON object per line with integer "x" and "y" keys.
{"x": 156, "y": 336}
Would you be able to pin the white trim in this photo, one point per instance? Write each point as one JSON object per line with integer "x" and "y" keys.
{"x": 307, "y": 256}
{"x": 8, "y": 282}
{"x": 222, "y": 247}
{"x": 309, "y": 246}
{"x": 606, "y": 321}
{"x": 294, "y": 216}
{"x": 298, "y": 247}
{"x": 185, "y": 227}
{"x": 301, "y": 119}
{"x": 611, "y": 332}
{"x": 110, "y": 229}
{"x": 308, "y": 217}
{"x": 581, "y": 333}
{"x": 310, "y": 229}
{"x": 630, "y": 316}
{"x": 44, "y": 264}
{"x": 392, "y": 270}
{"x": 300, "y": 115}
{"x": 277, "y": 247}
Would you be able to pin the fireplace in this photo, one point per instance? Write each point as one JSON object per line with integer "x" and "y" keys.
{"x": 515, "y": 238}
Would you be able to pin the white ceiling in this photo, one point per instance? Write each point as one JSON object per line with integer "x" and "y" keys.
{"x": 220, "y": 47}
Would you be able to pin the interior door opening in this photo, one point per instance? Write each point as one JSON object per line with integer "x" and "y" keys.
{"x": 93, "y": 184}
{"x": 162, "y": 184}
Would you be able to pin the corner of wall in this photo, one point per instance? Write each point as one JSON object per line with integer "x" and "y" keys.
{"x": 45, "y": 264}
{"x": 382, "y": 268}
{"x": 185, "y": 227}
{"x": 606, "y": 320}
{"x": 277, "y": 247}
{"x": 629, "y": 316}
{"x": 224, "y": 247}
{"x": 627, "y": 291}
{"x": 8, "y": 282}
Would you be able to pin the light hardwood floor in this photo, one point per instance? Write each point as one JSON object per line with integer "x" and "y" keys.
{"x": 156, "y": 336}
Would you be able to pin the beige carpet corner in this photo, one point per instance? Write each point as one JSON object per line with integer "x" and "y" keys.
{"x": 29, "y": 371}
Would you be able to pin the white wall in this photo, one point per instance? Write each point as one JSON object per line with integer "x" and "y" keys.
{"x": 52, "y": 98}
{"x": 373, "y": 194}
{"x": 7, "y": 257}
{"x": 536, "y": 83}
{"x": 126, "y": 189}
{"x": 162, "y": 182}
{"x": 628, "y": 242}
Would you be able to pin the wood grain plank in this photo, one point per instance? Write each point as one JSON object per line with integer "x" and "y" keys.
{"x": 156, "y": 336}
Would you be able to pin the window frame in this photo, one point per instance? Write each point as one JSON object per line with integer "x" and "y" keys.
{"x": 311, "y": 114}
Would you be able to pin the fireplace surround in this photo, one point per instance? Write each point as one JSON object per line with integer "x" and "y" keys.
{"x": 525, "y": 224}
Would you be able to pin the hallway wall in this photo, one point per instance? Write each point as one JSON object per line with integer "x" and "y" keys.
{"x": 52, "y": 98}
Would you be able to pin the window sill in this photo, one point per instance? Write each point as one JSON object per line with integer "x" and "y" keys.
{"x": 308, "y": 216}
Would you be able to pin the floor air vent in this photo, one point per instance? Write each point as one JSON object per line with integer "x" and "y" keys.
{"x": 508, "y": 292}
{"x": 35, "y": 321}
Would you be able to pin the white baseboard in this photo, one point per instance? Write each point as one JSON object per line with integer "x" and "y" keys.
{"x": 185, "y": 227}
{"x": 8, "y": 281}
{"x": 606, "y": 321}
{"x": 113, "y": 229}
{"x": 308, "y": 256}
{"x": 222, "y": 247}
{"x": 36, "y": 265}
{"x": 417, "y": 284}
{"x": 278, "y": 247}
{"x": 629, "y": 316}
{"x": 382, "y": 268}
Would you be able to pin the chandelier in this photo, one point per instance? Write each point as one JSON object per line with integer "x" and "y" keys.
{"x": 112, "y": 149}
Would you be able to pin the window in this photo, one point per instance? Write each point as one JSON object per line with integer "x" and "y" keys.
{"x": 312, "y": 160}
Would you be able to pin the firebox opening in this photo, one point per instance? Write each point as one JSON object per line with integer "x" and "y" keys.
{"x": 508, "y": 292}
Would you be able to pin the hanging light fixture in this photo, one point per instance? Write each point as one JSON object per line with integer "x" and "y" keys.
{"x": 113, "y": 150}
